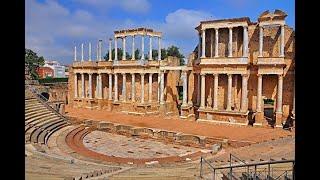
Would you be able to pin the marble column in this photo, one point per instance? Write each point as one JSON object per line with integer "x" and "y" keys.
{"x": 282, "y": 41}
{"x": 110, "y": 49}
{"x": 100, "y": 50}
{"x": 198, "y": 89}
{"x": 133, "y": 87}
{"x": 159, "y": 78}
{"x": 229, "y": 95}
{"x": 150, "y": 87}
{"x": 75, "y": 85}
{"x": 110, "y": 86}
{"x": 260, "y": 41}
{"x": 97, "y": 87}
{"x": 216, "y": 48}
{"x": 245, "y": 41}
{"x": 150, "y": 48}
{"x": 142, "y": 87}
{"x": 116, "y": 87}
{"x": 89, "y": 51}
{"x": 133, "y": 53}
{"x": 75, "y": 53}
{"x": 199, "y": 47}
{"x": 82, "y": 52}
{"x": 97, "y": 52}
{"x": 244, "y": 93}
{"x": 142, "y": 47}
{"x": 259, "y": 93}
{"x": 203, "y": 90}
{"x": 230, "y": 43}
{"x": 203, "y": 48}
{"x": 124, "y": 48}
{"x": 162, "y": 87}
{"x": 211, "y": 44}
{"x": 100, "y": 86}
{"x": 115, "y": 49}
{"x": 159, "y": 48}
{"x": 215, "y": 91}
{"x": 82, "y": 86}
{"x": 124, "y": 88}
{"x": 185, "y": 86}
{"x": 90, "y": 85}
{"x": 279, "y": 94}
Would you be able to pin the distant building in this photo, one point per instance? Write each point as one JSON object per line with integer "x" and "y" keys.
{"x": 45, "y": 72}
{"x": 59, "y": 70}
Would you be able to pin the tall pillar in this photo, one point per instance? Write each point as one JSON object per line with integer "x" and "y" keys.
{"x": 203, "y": 90}
{"x": 142, "y": 87}
{"x": 142, "y": 47}
{"x": 115, "y": 49}
{"x": 89, "y": 51}
{"x": 116, "y": 87}
{"x": 282, "y": 42}
{"x": 215, "y": 91}
{"x": 100, "y": 50}
{"x": 97, "y": 95}
{"x": 110, "y": 49}
{"x": 90, "y": 85}
{"x": 245, "y": 41}
{"x": 82, "y": 85}
{"x": 150, "y": 48}
{"x": 97, "y": 51}
{"x": 124, "y": 48}
{"x": 124, "y": 88}
{"x": 133, "y": 87}
{"x": 110, "y": 87}
{"x": 184, "y": 99}
{"x": 244, "y": 93}
{"x": 203, "y": 48}
{"x": 100, "y": 86}
{"x": 75, "y": 53}
{"x": 199, "y": 46}
{"x": 159, "y": 48}
{"x": 82, "y": 52}
{"x": 150, "y": 87}
{"x": 216, "y": 48}
{"x": 75, "y": 85}
{"x": 259, "y": 93}
{"x": 162, "y": 87}
{"x": 159, "y": 79}
{"x": 133, "y": 55}
{"x": 260, "y": 41}
{"x": 230, "y": 43}
{"x": 211, "y": 44}
{"x": 198, "y": 89}
{"x": 229, "y": 96}
{"x": 279, "y": 94}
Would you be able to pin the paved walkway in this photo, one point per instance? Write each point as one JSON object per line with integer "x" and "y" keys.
{"x": 256, "y": 134}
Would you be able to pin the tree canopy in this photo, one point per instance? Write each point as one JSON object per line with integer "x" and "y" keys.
{"x": 33, "y": 62}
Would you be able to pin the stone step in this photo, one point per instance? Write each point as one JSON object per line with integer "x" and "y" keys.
{"x": 33, "y": 109}
{"x": 38, "y": 122}
{"x": 42, "y": 117}
{"x": 48, "y": 131}
{"x": 35, "y": 134}
{"x": 29, "y": 116}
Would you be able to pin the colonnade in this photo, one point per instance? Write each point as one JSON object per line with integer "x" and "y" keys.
{"x": 261, "y": 28}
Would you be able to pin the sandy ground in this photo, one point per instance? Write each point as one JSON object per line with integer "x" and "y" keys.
{"x": 256, "y": 134}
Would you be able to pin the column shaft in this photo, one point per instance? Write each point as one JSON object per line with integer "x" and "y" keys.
{"x": 245, "y": 41}
{"x": 199, "y": 47}
{"x": 159, "y": 79}
{"x": 124, "y": 88}
{"x": 110, "y": 49}
{"x": 203, "y": 90}
{"x": 150, "y": 87}
{"x": 100, "y": 87}
{"x": 150, "y": 47}
{"x": 282, "y": 42}
{"x": 115, "y": 49}
{"x": 162, "y": 88}
{"x": 110, "y": 87}
{"x": 75, "y": 53}
{"x": 159, "y": 48}
{"x": 260, "y": 41}
{"x": 198, "y": 89}
{"x": 100, "y": 50}
{"x": 184, "y": 99}
{"x": 215, "y": 91}
{"x": 133, "y": 53}
{"x": 82, "y": 85}
{"x": 216, "y": 48}
{"x": 124, "y": 48}
{"x": 279, "y": 94}
{"x": 133, "y": 86}
{"x": 75, "y": 85}
{"x": 142, "y": 87}
{"x": 116, "y": 87}
{"x": 82, "y": 52}
{"x": 244, "y": 93}
{"x": 211, "y": 44}
{"x": 259, "y": 93}
{"x": 142, "y": 47}
{"x": 230, "y": 43}
{"x": 90, "y": 86}
{"x": 229, "y": 92}
{"x": 203, "y": 48}
{"x": 89, "y": 51}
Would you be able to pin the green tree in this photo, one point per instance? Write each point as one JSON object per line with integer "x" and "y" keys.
{"x": 119, "y": 52}
{"x": 33, "y": 62}
{"x": 174, "y": 51}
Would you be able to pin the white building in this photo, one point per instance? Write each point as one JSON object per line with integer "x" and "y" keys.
{"x": 59, "y": 70}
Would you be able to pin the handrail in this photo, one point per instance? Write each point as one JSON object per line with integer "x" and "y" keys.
{"x": 256, "y": 164}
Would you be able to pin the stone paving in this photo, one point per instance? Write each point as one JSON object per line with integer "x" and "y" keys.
{"x": 132, "y": 147}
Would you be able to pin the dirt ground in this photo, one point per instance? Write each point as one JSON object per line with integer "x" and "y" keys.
{"x": 248, "y": 133}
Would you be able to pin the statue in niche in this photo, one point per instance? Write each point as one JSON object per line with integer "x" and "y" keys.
{"x": 209, "y": 102}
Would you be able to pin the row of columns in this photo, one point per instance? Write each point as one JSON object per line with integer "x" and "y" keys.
{"x": 124, "y": 90}
{"x": 261, "y": 41}
{"x": 202, "y": 42}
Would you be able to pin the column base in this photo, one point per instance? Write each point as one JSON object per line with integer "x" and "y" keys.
{"x": 259, "y": 118}
{"x": 279, "y": 118}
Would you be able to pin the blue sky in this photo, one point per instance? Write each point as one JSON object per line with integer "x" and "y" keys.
{"x": 54, "y": 27}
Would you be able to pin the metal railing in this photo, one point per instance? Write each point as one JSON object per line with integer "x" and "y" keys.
{"x": 269, "y": 172}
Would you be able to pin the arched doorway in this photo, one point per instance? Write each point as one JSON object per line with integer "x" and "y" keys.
{"x": 46, "y": 95}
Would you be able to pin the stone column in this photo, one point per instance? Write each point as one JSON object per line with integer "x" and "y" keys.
{"x": 142, "y": 47}
{"x": 115, "y": 49}
{"x": 100, "y": 50}
{"x": 142, "y": 87}
{"x": 259, "y": 93}
{"x": 133, "y": 87}
{"x": 90, "y": 85}
{"x": 199, "y": 46}
{"x": 124, "y": 88}
{"x": 279, "y": 94}
{"x": 150, "y": 87}
{"x": 216, "y": 48}
{"x": 203, "y": 48}
{"x": 124, "y": 48}
{"x": 133, "y": 55}
{"x": 245, "y": 41}
{"x": 230, "y": 43}
{"x": 75, "y": 53}
{"x": 229, "y": 96}
{"x": 215, "y": 92}
{"x": 82, "y": 86}
{"x": 203, "y": 90}
{"x": 110, "y": 49}
{"x": 260, "y": 41}
{"x": 150, "y": 48}
{"x": 198, "y": 89}
{"x": 75, "y": 85}
{"x": 97, "y": 51}
{"x": 159, "y": 48}
{"x": 244, "y": 93}
{"x": 116, "y": 87}
{"x": 89, "y": 51}
{"x": 282, "y": 42}
{"x": 110, "y": 86}
{"x": 82, "y": 52}
{"x": 184, "y": 99}
{"x": 100, "y": 86}
{"x": 159, "y": 78}
{"x": 162, "y": 87}
{"x": 211, "y": 44}
{"x": 97, "y": 95}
